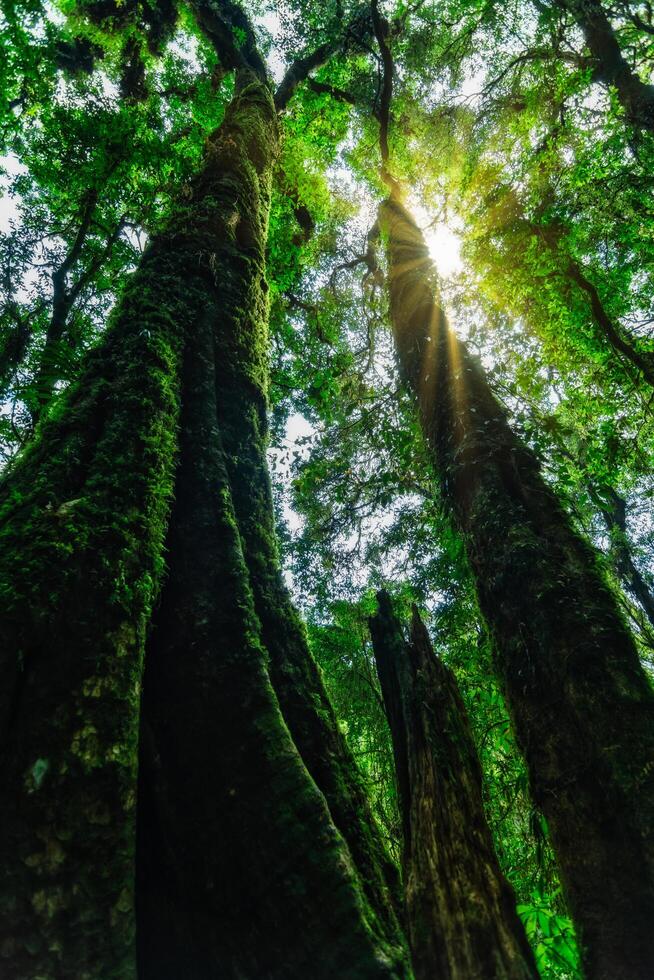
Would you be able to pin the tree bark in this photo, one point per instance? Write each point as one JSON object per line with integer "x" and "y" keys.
{"x": 241, "y": 394}
{"x": 580, "y": 701}
{"x": 242, "y": 872}
{"x": 461, "y": 910}
{"x": 82, "y": 521}
{"x": 611, "y": 67}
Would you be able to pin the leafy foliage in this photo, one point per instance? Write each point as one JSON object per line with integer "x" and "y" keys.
{"x": 507, "y": 128}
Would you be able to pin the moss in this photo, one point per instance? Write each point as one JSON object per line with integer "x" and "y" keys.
{"x": 461, "y": 911}
{"x": 297, "y": 682}
{"x": 83, "y": 516}
{"x": 257, "y": 816}
{"x": 36, "y": 775}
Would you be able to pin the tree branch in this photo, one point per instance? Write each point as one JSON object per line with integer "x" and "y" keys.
{"x": 381, "y": 29}
{"x": 222, "y": 21}
{"x": 353, "y": 35}
{"x": 320, "y": 88}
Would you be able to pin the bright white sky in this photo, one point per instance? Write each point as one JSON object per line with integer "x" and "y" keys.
{"x": 8, "y": 205}
{"x": 445, "y": 249}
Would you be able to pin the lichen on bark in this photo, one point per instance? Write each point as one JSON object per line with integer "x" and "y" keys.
{"x": 82, "y": 520}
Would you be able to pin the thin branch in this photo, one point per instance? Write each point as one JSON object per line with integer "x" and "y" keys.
{"x": 320, "y": 88}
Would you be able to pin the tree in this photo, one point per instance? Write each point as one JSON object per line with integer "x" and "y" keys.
{"x": 609, "y": 64}
{"x": 461, "y": 913}
{"x": 152, "y": 650}
{"x": 92, "y": 494}
{"x": 580, "y": 701}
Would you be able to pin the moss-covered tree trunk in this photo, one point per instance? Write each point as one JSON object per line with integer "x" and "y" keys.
{"x": 581, "y": 703}
{"x": 82, "y": 522}
{"x": 242, "y": 871}
{"x": 461, "y": 910}
{"x": 241, "y": 393}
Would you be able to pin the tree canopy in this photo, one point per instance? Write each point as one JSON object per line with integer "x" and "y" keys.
{"x": 520, "y": 137}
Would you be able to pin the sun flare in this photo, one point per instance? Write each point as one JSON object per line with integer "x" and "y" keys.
{"x": 445, "y": 248}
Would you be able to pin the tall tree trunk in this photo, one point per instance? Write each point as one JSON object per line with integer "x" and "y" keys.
{"x": 242, "y": 872}
{"x": 244, "y": 831}
{"x": 580, "y": 700}
{"x": 82, "y": 521}
{"x": 461, "y": 910}
{"x": 611, "y": 67}
{"x": 241, "y": 393}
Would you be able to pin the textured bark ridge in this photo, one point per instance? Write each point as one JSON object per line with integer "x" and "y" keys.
{"x": 581, "y": 704}
{"x": 241, "y": 873}
{"x": 82, "y": 523}
{"x": 461, "y": 910}
{"x": 241, "y": 402}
